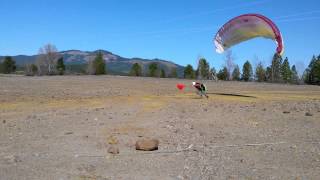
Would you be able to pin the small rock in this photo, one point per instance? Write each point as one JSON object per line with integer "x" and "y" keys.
{"x": 147, "y": 144}
{"x": 113, "y": 150}
{"x": 188, "y": 126}
{"x": 4, "y": 121}
{"x": 44, "y": 136}
{"x": 286, "y": 112}
{"x": 68, "y": 133}
{"x": 293, "y": 147}
{"x": 309, "y": 114}
{"x": 202, "y": 134}
{"x": 182, "y": 177}
{"x": 112, "y": 140}
{"x": 12, "y": 159}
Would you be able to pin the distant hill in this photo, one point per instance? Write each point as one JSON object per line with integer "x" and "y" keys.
{"x": 76, "y": 60}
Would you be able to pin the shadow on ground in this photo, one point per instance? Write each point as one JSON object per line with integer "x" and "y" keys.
{"x": 231, "y": 94}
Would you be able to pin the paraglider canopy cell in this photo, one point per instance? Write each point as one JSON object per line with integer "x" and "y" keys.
{"x": 246, "y": 27}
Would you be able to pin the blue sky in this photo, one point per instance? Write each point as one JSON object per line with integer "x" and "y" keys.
{"x": 180, "y": 30}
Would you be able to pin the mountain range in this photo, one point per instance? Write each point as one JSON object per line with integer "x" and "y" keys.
{"x": 77, "y": 60}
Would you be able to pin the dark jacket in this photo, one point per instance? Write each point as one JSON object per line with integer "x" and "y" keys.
{"x": 200, "y": 87}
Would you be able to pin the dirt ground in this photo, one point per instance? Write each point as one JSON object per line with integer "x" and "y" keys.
{"x": 61, "y": 128}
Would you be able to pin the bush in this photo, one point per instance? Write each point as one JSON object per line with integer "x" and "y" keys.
{"x": 31, "y": 70}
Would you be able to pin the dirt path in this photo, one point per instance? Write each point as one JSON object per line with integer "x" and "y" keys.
{"x": 61, "y": 128}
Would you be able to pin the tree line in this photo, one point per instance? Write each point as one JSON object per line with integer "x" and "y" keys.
{"x": 279, "y": 71}
{"x": 50, "y": 62}
{"x": 153, "y": 70}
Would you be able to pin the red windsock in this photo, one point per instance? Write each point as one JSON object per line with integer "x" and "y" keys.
{"x": 181, "y": 86}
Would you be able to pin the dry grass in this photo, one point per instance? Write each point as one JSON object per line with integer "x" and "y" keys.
{"x": 48, "y": 123}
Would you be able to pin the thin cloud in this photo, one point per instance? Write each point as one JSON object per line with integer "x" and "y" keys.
{"x": 298, "y": 14}
{"x": 298, "y": 19}
{"x": 184, "y": 31}
{"x": 215, "y": 11}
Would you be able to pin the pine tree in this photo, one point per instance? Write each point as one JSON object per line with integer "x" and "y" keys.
{"x": 136, "y": 70}
{"x": 294, "y": 75}
{"x": 276, "y": 68}
{"x": 99, "y": 64}
{"x": 153, "y": 70}
{"x": 236, "y": 73}
{"x": 213, "y": 74}
{"x": 316, "y": 71}
{"x": 260, "y": 73}
{"x": 163, "y": 73}
{"x": 173, "y": 73}
{"x": 223, "y": 74}
{"x": 60, "y": 66}
{"x": 1, "y": 70}
{"x": 309, "y": 73}
{"x": 203, "y": 70}
{"x": 189, "y": 72}
{"x": 269, "y": 74}
{"x": 286, "y": 71}
{"x": 8, "y": 65}
{"x": 34, "y": 69}
{"x": 247, "y": 71}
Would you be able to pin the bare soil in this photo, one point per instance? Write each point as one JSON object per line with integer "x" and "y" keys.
{"x": 61, "y": 128}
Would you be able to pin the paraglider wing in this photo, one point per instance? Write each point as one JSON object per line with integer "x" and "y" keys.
{"x": 246, "y": 27}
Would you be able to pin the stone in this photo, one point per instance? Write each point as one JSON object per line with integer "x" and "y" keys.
{"x": 12, "y": 159}
{"x": 68, "y": 133}
{"x": 112, "y": 140}
{"x": 286, "y": 112}
{"x": 309, "y": 114}
{"x": 147, "y": 144}
{"x": 113, "y": 150}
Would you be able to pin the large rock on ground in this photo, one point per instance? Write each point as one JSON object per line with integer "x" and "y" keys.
{"x": 309, "y": 114}
{"x": 113, "y": 150}
{"x": 147, "y": 144}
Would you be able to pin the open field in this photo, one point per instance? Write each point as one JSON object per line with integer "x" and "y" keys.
{"x": 61, "y": 128}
